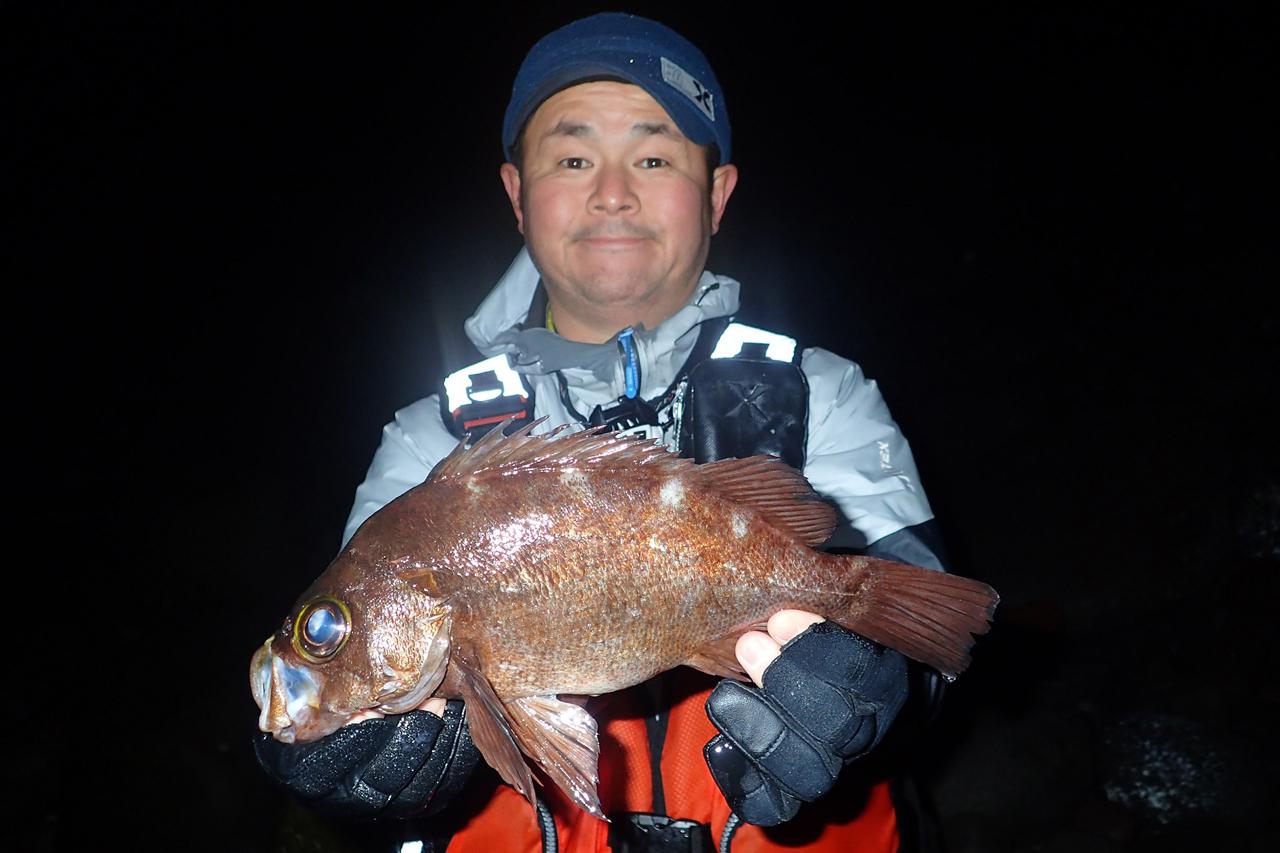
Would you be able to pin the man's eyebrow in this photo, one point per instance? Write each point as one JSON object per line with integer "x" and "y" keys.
{"x": 660, "y": 128}
{"x": 565, "y": 127}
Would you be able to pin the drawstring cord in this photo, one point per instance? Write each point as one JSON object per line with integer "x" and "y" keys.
{"x": 547, "y": 826}
{"x": 730, "y": 827}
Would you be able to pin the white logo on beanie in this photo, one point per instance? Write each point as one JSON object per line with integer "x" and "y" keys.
{"x": 688, "y": 84}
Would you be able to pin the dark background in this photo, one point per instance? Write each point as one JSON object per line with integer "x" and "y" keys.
{"x": 243, "y": 238}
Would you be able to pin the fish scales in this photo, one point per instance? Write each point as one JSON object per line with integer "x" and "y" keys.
{"x": 530, "y": 566}
{"x": 637, "y": 590}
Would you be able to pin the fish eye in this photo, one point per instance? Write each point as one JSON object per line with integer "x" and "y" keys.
{"x": 321, "y": 628}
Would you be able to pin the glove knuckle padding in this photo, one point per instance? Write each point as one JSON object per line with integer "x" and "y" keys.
{"x": 835, "y": 655}
{"x": 752, "y": 795}
{"x": 826, "y": 699}
{"x": 447, "y": 768}
{"x": 356, "y": 798}
{"x": 405, "y": 751}
{"x": 752, "y": 723}
{"x": 826, "y": 713}
{"x": 768, "y": 736}
{"x": 314, "y": 769}
{"x": 387, "y": 766}
{"x": 872, "y": 679}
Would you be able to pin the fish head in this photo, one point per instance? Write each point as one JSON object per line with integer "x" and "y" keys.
{"x": 347, "y": 652}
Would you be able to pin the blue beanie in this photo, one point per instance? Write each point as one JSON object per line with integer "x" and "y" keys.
{"x": 638, "y": 50}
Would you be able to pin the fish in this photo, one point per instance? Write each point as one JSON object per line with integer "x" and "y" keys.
{"x": 529, "y": 570}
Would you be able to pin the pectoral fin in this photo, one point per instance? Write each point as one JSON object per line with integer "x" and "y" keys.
{"x": 562, "y": 738}
{"x": 491, "y": 727}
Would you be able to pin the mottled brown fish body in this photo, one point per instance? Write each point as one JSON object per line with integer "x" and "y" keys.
{"x": 531, "y": 566}
{"x": 586, "y": 582}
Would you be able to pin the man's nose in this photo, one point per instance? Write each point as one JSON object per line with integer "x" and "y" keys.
{"x": 613, "y": 191}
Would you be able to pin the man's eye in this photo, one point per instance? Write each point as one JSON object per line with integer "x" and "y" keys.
{"x": 652, "y": 163}
{"x": 575, "y": 162}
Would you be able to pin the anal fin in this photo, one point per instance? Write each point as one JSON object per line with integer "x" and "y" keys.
{"x": 719, "y": 656}
{"x": 561, "y": 737}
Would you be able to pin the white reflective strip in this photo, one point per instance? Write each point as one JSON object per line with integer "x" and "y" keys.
{"x": 456, "y": 384}
{"x": 648, "y": 432}
{"x": 411, "y": 847}
{"x": 781, "y": 348}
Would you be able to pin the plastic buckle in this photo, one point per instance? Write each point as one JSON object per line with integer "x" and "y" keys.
{"x": 652, "y": 833}
{"x": 628, "y": 413}
{"x": 488, "y": 406}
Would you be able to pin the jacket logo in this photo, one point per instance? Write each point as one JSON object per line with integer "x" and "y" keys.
{"x": 749, "y": 392}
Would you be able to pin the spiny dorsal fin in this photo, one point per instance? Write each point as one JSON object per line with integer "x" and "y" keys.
{"x": 765, "y": 483}
{"x": 595, "y": 447}
{"x": 779, "y": 492}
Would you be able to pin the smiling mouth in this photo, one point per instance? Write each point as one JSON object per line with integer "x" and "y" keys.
{"x": 614, "y": 235}
{"x": 613, "y": 242}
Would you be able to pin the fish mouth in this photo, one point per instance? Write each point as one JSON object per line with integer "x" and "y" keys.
{"x": 288, "y": 698}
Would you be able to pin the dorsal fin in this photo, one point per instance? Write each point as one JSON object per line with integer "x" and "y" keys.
{"x": 764, "y": 483}
{"x": 594, "y": 447}
{"x": 777, "y": 491}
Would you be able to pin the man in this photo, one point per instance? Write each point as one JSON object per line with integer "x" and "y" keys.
{"x": 618, "y": 173}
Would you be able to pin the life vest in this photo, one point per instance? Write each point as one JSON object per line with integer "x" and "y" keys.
{"x": 860, "y": 820}
{"x": 741, "y": 392}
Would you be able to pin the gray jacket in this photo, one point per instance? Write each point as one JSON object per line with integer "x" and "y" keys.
{"x": 855, "y": 453}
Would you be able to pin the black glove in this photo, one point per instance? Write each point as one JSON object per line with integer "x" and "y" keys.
{"x": 828, "y": 698}
{"x": 387, "y": 767}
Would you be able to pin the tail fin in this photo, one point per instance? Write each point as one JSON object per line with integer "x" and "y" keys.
{"x": 929, "y": 616}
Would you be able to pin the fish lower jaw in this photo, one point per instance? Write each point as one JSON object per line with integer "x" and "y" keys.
{"x": 300, "y": 731}
{"x": 306, "y": 726}
{"x": 284, "y": 735}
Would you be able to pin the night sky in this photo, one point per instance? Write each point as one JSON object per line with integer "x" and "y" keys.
{"x": 242, "y": 239}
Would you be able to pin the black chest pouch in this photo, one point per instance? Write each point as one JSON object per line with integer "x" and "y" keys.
{"x": 745, "y": 406}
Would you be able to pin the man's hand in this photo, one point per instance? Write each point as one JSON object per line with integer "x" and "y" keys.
{"x": 384, "y": 767}
{"x": 825, "y": 697}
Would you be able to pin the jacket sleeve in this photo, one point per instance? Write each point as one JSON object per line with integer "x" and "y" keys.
{"x": 856, "y": 455}
{"x": 411, "y": 446}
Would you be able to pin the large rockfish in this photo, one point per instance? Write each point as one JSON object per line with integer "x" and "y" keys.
{"x": 531, "y": 566}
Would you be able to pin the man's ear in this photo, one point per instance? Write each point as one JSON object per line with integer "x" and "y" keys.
{"x": 723, "y": 180}
{"x": 511, "y": 180}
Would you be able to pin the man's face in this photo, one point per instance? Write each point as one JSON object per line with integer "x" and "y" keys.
{"x": 615, "y": 207}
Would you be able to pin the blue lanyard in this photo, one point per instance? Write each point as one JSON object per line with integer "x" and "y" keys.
{"x": 630, "y": 361}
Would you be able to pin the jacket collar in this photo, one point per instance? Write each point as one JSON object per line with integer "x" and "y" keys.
{"x": 593, "y": 371}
